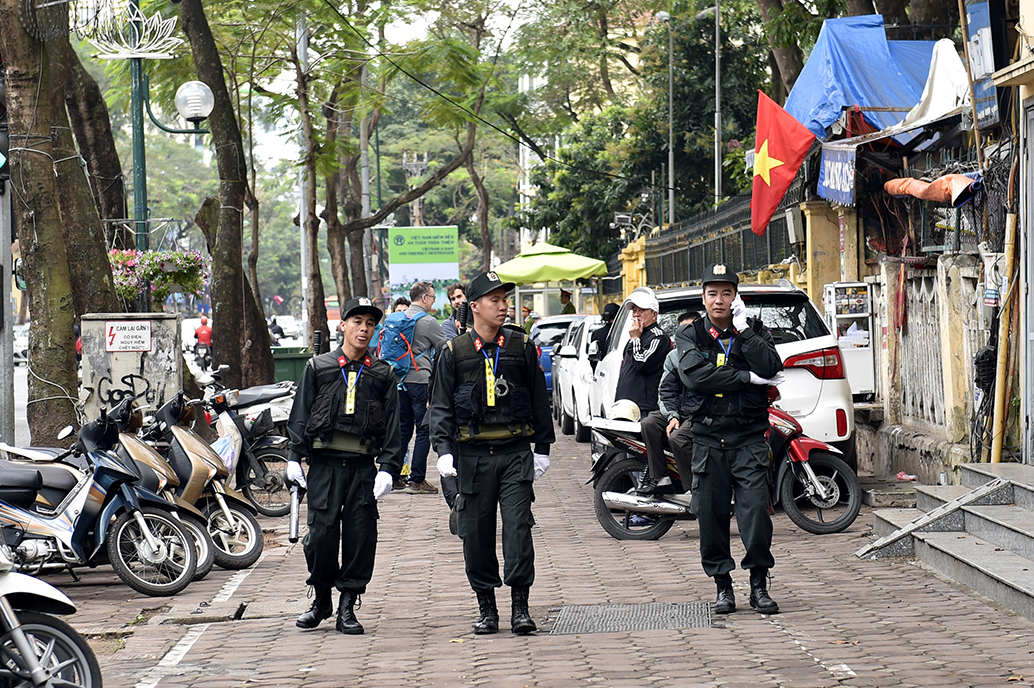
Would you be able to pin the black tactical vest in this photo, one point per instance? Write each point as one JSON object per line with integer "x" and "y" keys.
{"x": 511, "y": 415}
{"x": 748, "y": 404}
{"x": 328, "y": 415}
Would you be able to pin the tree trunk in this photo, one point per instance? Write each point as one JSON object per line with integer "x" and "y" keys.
{"x": 93, "y": 289}
{"x": 859, "y": 8}
{"x": 942, "y": 13}
{"x": 245, "y": 349}
{"x": 789, "y": 57}
{"x": 893, "y": 11}
{"x": 482, "y": 193}
{"x": 53, "y": 386}
{"x": 91, "y": 125}
{"x": 253, "y": 255}
{"x": 317, "y": 307}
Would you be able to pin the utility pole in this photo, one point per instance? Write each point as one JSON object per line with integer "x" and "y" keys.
{"x": 6, "y": 319}
{"x": 364, "y": 180}
{"x": 301, "y": 35}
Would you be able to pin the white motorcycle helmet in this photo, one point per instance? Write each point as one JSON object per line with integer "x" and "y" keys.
{"x": 624, "y": 409}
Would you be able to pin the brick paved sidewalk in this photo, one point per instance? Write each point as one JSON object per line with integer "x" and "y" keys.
{"x": 843, "y": 621}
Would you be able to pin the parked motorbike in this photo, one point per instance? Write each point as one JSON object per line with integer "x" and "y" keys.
{"x": 817, "y": 489}
{"x": 204, "y": 477}
{"x": 74, "y": 504}
{"x": 158, "y": 476}
{"x": 253, "y": 401}
{"x": 203, "y": 355}
{"x": 38, "y": 648}
{"x": 256, "y": 458}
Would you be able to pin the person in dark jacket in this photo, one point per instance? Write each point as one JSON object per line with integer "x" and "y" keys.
{"x": 601, "y": 334}
{"x": 667, "y": 425}
{"x": 345, "y": 418}
{"x": 728, "y": 363}
{"x": 491, "y": 426}
{"x": 643, "y": 360}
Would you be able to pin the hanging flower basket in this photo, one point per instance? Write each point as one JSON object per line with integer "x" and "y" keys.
{"x": 166, "y": 272}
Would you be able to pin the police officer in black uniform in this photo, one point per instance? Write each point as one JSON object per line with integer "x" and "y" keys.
{"x": 488, "y": 407}
{"x": 345, "y": 418}
{"x": 728, "y": 364}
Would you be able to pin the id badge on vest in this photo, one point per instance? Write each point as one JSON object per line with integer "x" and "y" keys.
{"x": 350, "y": 398}
{"x": 489, "y": 384}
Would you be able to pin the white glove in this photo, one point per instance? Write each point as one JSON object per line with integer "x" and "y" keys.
{"x": 445, "y": 467}
{"x": 776, "y": 379}
{"x": 382, "y": 484}
{"x": 739, "y": 314}
{"x": 541, "y": 465}
{"x": 294, "y": 474}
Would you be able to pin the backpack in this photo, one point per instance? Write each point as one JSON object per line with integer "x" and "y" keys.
{"x": 395, "y": 344}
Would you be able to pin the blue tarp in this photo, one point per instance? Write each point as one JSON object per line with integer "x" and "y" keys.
{"x": 853, "y": 63}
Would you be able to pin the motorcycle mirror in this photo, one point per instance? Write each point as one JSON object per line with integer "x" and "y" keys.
{"x": 223, "y": 368}
{"x": 65, "y": 432}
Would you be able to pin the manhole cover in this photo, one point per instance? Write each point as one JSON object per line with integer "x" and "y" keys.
{"x": 615, "y": 618}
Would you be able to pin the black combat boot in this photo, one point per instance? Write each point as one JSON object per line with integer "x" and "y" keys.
{"x": 725, "y": 603}
{"x": 488, "y": 622}
{"x": 346, "y": 621}
{"x": 322, "y": 607}
{"x": 759, "y": 599}
{"x": 520, "y": 619}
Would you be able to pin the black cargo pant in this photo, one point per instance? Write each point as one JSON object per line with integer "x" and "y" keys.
{"x": 655, "y": 437}
{"x": 717, "y": 473}
{"x": 342, "y": 521}
{"x": 485, "y": 481}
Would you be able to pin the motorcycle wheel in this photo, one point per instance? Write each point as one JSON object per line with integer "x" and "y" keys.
{"x": 65, "y": 657}
{"x": 238, "y": 544}
{"x": 203, "y": 542}
{"x": 262, "y": 482}
{"x": 623, "y": 476}
{"x": 812, "y": 514}
{"x": 158, "y": 574}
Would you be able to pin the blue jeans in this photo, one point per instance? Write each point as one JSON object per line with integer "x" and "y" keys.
{"x": 412, "y": 406}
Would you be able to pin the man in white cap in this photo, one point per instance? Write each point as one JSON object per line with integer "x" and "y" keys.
{"x": 642, "y": 363}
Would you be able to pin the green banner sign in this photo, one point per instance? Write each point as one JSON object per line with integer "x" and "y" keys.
{"x": 424, "y": 245}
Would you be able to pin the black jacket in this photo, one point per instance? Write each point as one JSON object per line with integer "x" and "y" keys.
{"x": 642, "y": 367}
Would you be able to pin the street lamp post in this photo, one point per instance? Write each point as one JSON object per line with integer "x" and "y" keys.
{"x": 717, "y": 103}
{"x": 666, "y": 18}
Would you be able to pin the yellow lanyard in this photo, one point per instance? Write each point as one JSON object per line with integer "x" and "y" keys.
{"x": 490, "y": 368}
{"x": 351, "y": 382}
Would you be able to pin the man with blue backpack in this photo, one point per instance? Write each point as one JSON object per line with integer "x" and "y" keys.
{"x": 408, "y": 342}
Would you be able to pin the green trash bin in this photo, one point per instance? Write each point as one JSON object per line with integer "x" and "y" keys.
{"x": 289, "y": 362}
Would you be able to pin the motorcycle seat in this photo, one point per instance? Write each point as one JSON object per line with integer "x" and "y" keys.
{"x": 54, "y": 477}
{"x": 261, "y": 394}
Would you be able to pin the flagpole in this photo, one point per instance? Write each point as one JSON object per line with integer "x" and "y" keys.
{"x": 671, "y": 128}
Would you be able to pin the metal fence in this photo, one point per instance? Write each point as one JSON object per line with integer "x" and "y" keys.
{"x": 682, "y": 252}
{"x": 922, "y": 379}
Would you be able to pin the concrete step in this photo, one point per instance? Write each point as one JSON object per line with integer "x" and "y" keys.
{"x": 1007, "y": 526}
{"x": 887, "y": 493}
{"x": 887, "y": 521}
{"x": 1020, "y": 475}
{"x": 929, "y": 497}
{"x": 992, "y": 571}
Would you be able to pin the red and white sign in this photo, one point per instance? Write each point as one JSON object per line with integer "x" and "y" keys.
{"x": 127, "y": 335}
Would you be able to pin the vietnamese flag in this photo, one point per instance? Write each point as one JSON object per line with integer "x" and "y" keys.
{"x": 779, "y": 149}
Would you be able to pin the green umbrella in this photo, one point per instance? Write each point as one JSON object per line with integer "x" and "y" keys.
{"x": 548, "y": 263}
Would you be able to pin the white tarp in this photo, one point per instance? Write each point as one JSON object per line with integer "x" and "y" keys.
{"x": 947, "y": 87}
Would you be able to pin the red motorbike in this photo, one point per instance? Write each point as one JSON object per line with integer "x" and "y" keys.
{"x": 809, "y": 479}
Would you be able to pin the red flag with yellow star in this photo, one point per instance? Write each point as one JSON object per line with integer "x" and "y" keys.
{"x": 779, "y": 149}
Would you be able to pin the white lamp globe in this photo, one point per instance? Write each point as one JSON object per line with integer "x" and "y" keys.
{"x": 194, "y": 101}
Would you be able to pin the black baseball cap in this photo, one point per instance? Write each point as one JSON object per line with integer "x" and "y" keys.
{"x": 485, "y": 283}
{"x": 361, "y": 306}
{"x": 720, "y": 272}
{"x": 609, "y": 311}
